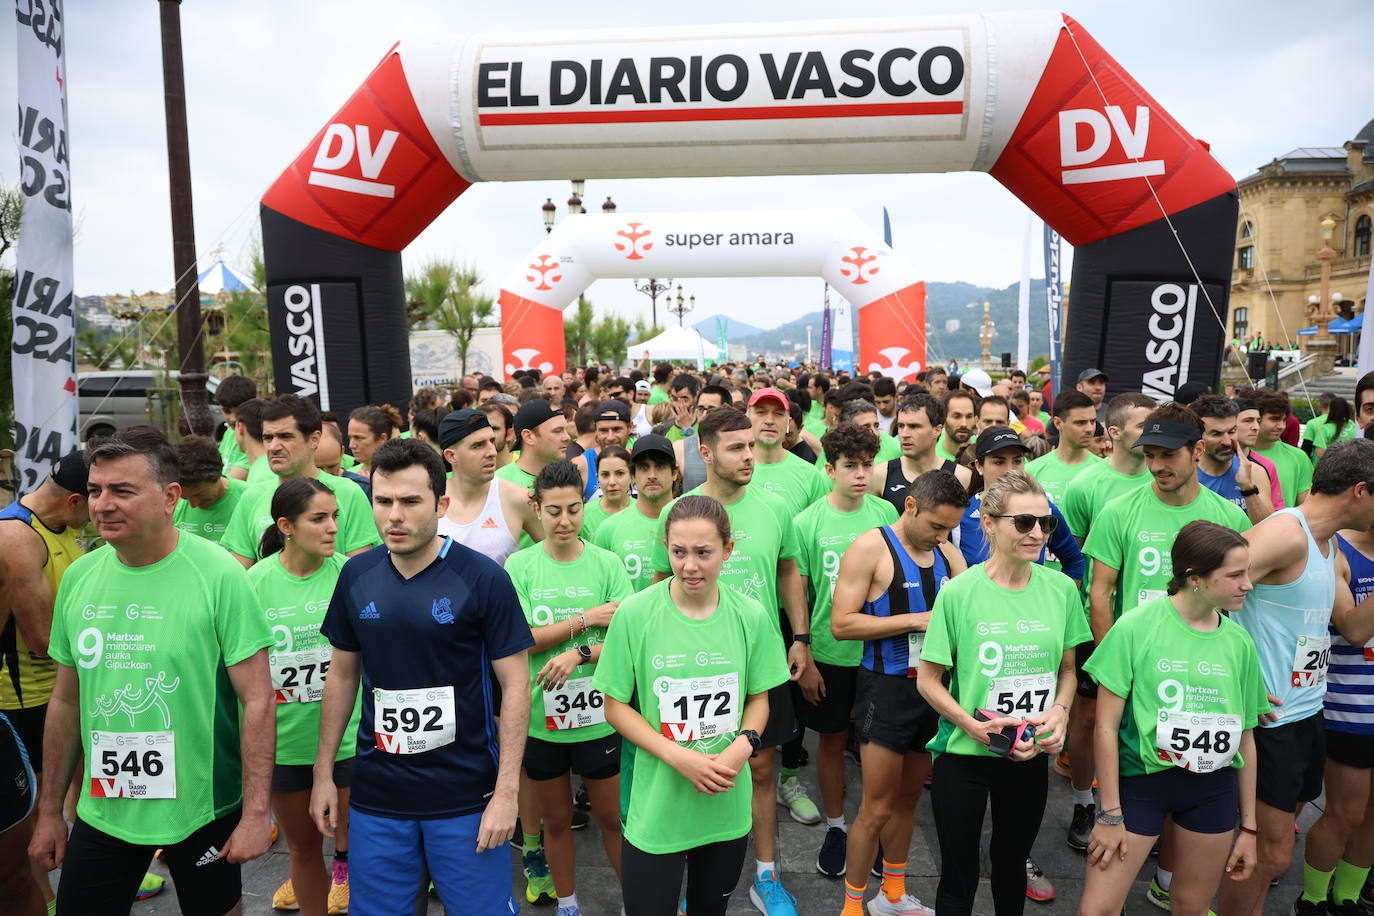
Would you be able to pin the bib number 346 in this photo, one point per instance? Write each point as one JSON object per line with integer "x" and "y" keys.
{"x": 136, "y": 765}
{"x": 414, "y": 721}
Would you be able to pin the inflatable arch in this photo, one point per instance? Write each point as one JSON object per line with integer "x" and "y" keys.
{"x": 833, "y": 244}
{"x": 1028, "y": 97}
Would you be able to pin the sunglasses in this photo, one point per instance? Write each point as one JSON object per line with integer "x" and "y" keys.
{"x": 1024, "y": 522}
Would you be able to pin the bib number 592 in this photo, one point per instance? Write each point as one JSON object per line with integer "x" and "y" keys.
{"x": 414, "y": 721}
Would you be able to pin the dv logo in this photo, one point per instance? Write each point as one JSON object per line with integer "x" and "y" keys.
{"x": 557, "y": 723}
{"x": 894, "y": 368}
{"x": 329, "y": 160}
{"x": 107, "y": 788}
{"x": 632, "y": 236}
{"x": 677, "y": 731}
{"x": 389, "y": 743}
{"x": 526, "y": 355}
{"x": 859, "y": 271}
{"x": 1076, "y": 159}
{"x": 543, "y": 266}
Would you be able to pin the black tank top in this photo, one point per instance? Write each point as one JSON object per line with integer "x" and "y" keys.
{"x": 896, "y": 485}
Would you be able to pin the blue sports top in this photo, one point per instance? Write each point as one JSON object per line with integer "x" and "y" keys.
{"x": 440, "y": 628}
{"x": 1349, "y": 705}
{"x": 1224, "y": 485}
{"x": 912, "y": 591}
{"x": 1289, "y": 625}
{"x": 592, "y": 485}
{"x": 968, "y": 537}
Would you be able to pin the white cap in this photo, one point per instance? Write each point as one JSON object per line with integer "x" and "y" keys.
{"x": 978, "y": 380}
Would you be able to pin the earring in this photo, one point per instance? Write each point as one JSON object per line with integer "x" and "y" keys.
{"x": 1194, "y": 589}
{"x": 290, "y": 536}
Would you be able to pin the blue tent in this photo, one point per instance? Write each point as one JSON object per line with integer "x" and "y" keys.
{"x": 1307, "y": 332}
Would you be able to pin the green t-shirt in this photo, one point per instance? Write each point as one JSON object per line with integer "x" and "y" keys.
{"x": 888, "y": 448}
{"x": 942, "y": 451}
{"x": 294, "y": 607}
{"x": 1134, "y": 535}
{"x": 210, "y": 523}
{"x": 697, "y": 674}
{"x": 1170, "y": 674}
{"x": 657, "y": 395}
{"x": 1294, "y": 467}
{"x": 260, "y": 472}
{"x": 553, "y": 592}
{"x": 159, "y": 717}
{"x": 230, "y": 453}
{"x": 1092, "y": 490}
{"x": 1003, "y": 647}
{"x": 1321, "y": 432}
{"x": 594, "y": 515}
{"x": 1055, "y": 476}
{"x": 815, "y": 426}
{"x": 630, "y": 536}
{"x": 796, "y": 481}
{"x": 254, "y": 513}
{"x": 824, "y": 533}
{"x": 516, "y": 474}
{"x": 763, "y": 533}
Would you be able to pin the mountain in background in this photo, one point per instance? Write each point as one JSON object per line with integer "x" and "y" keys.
{"x": 952, "y": 325}
{"x": 738, "y": 330}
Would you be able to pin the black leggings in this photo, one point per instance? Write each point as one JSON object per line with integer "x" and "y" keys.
{"x": 960, "y": 789}
{"x": 651, "y": 882}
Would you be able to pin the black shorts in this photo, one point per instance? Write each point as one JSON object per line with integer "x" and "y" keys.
{"x": 833, "y": 713}
{"x": 782, "y": 718}
{"x": 1087, "y": 687}
{"x": 1291, "y": 762}
{"x": 29, "y": 724}
{"x": 1350, "y": 749}
{"x": 890, "y": 712}
{"x": 16, "y": 777}
{"x": 597, "y": 758}
{"x": 300, "y": 777}
{"x": 101, "y": 874}
{"x": 1200, "y": 802}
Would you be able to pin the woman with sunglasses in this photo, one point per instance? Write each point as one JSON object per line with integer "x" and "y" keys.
{"x": 1000, "y": 450}
{"x": 1180, "y": 692}
{"x": 1005, "y": 632}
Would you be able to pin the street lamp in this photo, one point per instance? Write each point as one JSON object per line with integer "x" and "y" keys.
{"x": 575, "y": 202}
{"x": 550, "y": 211}
{"x": 609, "y": 206}
{"x": 652, "y": 287}
{"x": 679, "y": 307}
{"x": 1319, "y": 306}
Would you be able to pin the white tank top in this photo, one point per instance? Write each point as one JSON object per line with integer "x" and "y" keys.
{"x": 488, "y": 533}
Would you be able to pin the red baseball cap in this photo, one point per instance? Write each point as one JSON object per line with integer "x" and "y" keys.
{"x": 766, "y": 394}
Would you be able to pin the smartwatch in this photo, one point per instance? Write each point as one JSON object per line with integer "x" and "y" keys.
{"x": 803, "y": 638}
{"x": 1253, "y": 491}
{"x": 754, "y": 740}
{"x": 586, "y": 653}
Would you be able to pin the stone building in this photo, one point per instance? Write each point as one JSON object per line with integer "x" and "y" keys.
{"x": 1279, "y": 233}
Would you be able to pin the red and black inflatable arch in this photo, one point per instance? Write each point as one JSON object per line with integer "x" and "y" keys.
{"x": 1029, "y": 98}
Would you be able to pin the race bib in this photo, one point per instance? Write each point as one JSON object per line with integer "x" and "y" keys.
{"x": 574, "y": 705}
{"x": 914, "y": 642}
{"x": 133, "y": 765}
{"x": 413, "y": 721}
{"x": 699, "y": 708}
{"x": 1022, "y": 695}
{"x": 298, "y": 677}
{"x": 1310, "y": 660}
{"x": 1201, "y": 742}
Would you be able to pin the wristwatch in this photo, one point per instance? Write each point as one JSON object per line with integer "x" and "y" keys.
{"x": 1250, "y": 492}
{"x": 803, "y": 638}
{"x": 754, "y": 740}
{"x": 586, "y": 653}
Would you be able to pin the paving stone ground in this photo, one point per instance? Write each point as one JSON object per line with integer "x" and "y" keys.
{"x": 599, "y": 892}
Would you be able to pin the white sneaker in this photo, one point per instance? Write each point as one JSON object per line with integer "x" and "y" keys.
{"x": 906, "y": 905}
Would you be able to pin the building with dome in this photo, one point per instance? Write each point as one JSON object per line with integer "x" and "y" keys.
{"x": 1285, "y": 207}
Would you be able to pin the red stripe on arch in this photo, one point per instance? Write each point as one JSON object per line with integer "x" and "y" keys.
{"x": 762, "y": 113}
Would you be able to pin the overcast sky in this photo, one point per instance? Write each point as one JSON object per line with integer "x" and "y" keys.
{"x": 1254, "y": 79}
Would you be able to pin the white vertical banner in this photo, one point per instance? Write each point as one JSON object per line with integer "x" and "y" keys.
{"x": 1023, "y": 301}
{"x": 44, "y": 349}
{"x": 842, "y": 338}
{"x": 1364, "y": 360}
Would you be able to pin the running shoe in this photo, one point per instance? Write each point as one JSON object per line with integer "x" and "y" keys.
{"x": 1081, "y": 828}
{"x": 569, "y": 911}
{"x": 905, "y": 905}
{"x": 580, "y": 799}
{"x": 1304, "y": 907}
{"x": 1061, "y": 764}
{"x": 1345, "y": 908}
{"x": 768, "y": 896}
{"x": 150, "y": 886}
{"x": 338, "y": 899}
{"x": 1038, "y": 887}
{"x": 285, "y": 897}
{"x": 830, "y": 860}
{"x": 793, "y": 797}
{"x": 1157, "y": 895}
{"x": 580, "y": 819}
{"x": 538, "y": 881}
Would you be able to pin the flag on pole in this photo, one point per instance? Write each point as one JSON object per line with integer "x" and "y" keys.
{"x": 1054, "y": 300}
{"x": 723, "y": 338}
{"x": 827, "y": 328}
{"x": 842, "y": 338}
{"x": 43, "y": 351}
{"x": 887, "y": 229}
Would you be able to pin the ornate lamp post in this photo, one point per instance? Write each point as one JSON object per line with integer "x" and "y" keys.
{"x": 1321, "y": 307}
{"x": 678, "y": 307}
{"x": 652, "y": 288}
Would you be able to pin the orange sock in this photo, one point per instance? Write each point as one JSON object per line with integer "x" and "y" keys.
{"x": 894, "y": 879}
{"x": 854, "y": 898}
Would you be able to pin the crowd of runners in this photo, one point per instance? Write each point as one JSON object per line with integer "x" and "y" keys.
{"x": 525, "y": 606}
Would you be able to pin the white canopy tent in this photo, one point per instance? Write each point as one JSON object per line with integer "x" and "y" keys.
{"x": 675, "y": 344}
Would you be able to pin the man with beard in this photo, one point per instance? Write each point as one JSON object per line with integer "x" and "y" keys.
{"x": 961, "y": 416}
{"x": 1220, "y": 467}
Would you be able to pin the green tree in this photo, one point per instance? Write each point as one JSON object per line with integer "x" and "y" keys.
{"x": 610, "y": 337}
{"x": 579, "y": 331}
{"x": 443, "y": 296}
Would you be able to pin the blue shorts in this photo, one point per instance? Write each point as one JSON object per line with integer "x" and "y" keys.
{"x": 1199, "y": 802}
{"x": 386, "y": 857}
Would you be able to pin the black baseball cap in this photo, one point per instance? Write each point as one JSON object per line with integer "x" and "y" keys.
{"x": 1093, "y": 373}
{"x": 1168, "y": 434}
{"x": 655, "y": 445}
{"x": 533, "y": 414}
{"x": 613, "y": 409}
{"x": 458, "y": 425}
{"x": 995, "y": 437}
{"x": 70, "y": 472}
